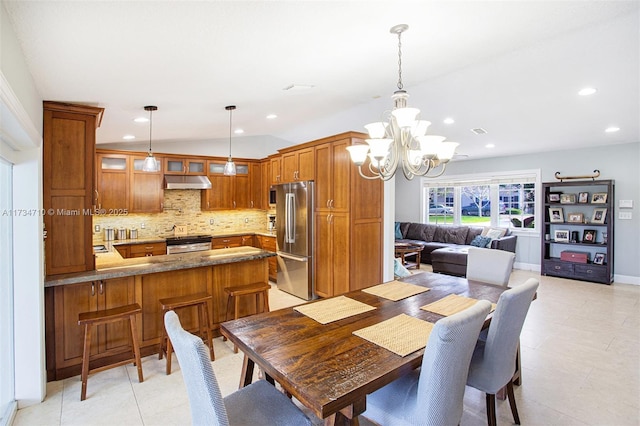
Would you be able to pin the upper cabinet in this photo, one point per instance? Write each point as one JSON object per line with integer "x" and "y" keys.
{"x": 227, "y": 192}
{"x": 298, "y": 165}
{"x": 68, "y": 185}
{"x": 185, "y": 166}
{"x": 275, "y": 170}
{"x": 123, "y": 186}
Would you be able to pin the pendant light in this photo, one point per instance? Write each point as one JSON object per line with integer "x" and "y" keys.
{"x": 150, "y": 163}
{"x": 230, "y": 166}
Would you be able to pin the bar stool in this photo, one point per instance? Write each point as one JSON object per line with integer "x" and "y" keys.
{"x": 234, "y": 293}
{"x": 89, "y": 319}
{"x": 198, "y": 300}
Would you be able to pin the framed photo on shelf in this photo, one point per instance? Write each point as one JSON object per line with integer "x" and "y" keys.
{"x": 599, "y": 215}
{"x": 589, "y": 236}
{"x": 599, "y": 198}
{"x": 599, "y": 258}
{"x": 567, "y": 198}
{"x": 561, "y": 235}
{"x": 583, "y": 197}
{"x": 555, "y": 214}
{"x": 575, "y": 217}
{"x": 554, "y": 197}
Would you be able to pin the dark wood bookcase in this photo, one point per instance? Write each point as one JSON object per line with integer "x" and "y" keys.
{"x": 586, "y": 223}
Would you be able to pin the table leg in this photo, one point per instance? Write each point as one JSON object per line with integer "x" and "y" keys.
{"x": 246, "y": 376}
{"x": 348, "y": 415}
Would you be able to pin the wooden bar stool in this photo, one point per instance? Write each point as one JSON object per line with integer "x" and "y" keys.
{"x": 89, "y": 319}
{"x": 234, "y": 293}
{"x": 199, "y": 300}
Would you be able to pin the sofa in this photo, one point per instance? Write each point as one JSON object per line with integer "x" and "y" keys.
{"x": 445, "y": 247}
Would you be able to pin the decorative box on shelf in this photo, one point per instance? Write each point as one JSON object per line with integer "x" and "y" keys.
{"x": 574, "y": 256}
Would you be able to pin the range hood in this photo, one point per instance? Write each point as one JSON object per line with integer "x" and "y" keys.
{"x": 186, "y": 182}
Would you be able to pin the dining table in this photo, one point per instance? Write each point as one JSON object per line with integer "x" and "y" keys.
{"x": 328, "y": 368}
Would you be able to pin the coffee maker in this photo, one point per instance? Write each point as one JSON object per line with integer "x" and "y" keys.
{"x": 271, "y": 222}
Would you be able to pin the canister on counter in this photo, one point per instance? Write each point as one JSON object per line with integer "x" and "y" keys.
{"x": 133, "y": 233}
{"x": 109, "y": 234}
{"x": 122, "y": 234}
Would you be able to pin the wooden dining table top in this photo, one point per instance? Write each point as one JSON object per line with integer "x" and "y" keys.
{"x": 326, "y": 367}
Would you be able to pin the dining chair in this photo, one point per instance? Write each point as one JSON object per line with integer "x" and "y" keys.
{"x": 258, "y": 403}
{"x": 492, "y": 363}
{"x": 433, "y": 394}
{"x": 490, "y": 265}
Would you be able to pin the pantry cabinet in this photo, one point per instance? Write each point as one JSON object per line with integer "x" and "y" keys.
{"x": 69, "y": 196}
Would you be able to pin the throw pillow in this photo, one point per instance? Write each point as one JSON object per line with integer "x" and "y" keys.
{"x": 398, "y": 233}
{"x": 399, "y": 270}
{"x": 481, "y": 241}
{"x": 501, "y": 232}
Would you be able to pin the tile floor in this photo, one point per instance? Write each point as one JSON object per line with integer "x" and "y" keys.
{"x": 580, "y": 357}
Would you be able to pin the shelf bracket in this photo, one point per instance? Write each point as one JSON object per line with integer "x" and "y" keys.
{"x": 596, "y": 173}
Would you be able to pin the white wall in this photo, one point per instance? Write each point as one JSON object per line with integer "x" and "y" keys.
{"x": 21, "y": 141}
{"x": 617, "y": 162}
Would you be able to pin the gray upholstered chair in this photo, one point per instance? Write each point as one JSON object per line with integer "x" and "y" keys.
{"x": 258, "y": 403}
{"x": 489, "y": 265}
{"x": 493, "y": 360}
{"x": 432, "y": 395}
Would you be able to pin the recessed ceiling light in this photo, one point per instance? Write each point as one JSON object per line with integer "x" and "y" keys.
{"x": 238, "y": 131}
{"x": 449, "y": 120}
{"x": 141, "y": 119}
{"x": 587, "y": 91}
{"x": 271, "y": 116}
{"x": 128, "y": 137}
{"x": 612, "y": 129}
{"x": 489, "y": 145}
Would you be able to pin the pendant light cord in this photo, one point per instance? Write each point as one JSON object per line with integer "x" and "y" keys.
{"x": 150, "y": 127}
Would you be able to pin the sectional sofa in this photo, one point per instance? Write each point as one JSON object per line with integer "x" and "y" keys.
{"x": 445, "y": 247}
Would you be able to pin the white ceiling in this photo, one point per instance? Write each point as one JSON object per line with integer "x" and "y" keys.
{"x": 511, "y": 67}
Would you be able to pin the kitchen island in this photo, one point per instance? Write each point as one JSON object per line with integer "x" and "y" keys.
{"x": 118, "y": 281}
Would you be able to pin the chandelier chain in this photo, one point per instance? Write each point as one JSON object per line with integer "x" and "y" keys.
{"x": 400, "y": 61}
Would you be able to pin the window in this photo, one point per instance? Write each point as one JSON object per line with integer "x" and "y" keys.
{"x": 506, "y": 200}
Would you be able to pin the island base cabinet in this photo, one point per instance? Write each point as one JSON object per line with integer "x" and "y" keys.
{"x": 155, "y": 287}
{"x": 68, "y": 337}
{"x": 112, "y": 342}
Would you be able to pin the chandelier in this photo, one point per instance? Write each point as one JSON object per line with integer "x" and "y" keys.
{"x": 401, "y": 139}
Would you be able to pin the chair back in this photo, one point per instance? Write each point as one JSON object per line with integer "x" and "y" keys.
{"x": 445, "y": 365}
{"x": 205, "y": 398}
{"x": 499, "y": 357}
{"x": 490, "y": 265}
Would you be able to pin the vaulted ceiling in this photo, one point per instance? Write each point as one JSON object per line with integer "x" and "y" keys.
{"x": 513, "y": 68}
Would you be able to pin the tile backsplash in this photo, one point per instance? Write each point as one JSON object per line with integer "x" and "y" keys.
{"x": 182, "y": 207}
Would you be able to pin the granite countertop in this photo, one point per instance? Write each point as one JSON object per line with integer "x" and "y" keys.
{"x": 161, "y": 239}
{"x": 112, "y": 265}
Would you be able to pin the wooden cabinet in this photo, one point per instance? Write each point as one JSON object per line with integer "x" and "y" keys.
{"x": 269, "y": 243}
{"x": 348, "y": 220}
{"x": 298, "y": 165}
{"x": 258, "y": 193}
{"x": 122, "y": 186}
{"x": 71, "y": 300}
{"x": 275, "y": 173}
{"x": 227, "y": 192}
{"x": 578, "y": 219}
{"x": 112, "y": 181}
{"x": 227, "y": 242}
{"x": 147, "y": 192}
{"x": 141, "y": 249}
{"x": 185, "y": 166}
{"x": 68, "y": 185}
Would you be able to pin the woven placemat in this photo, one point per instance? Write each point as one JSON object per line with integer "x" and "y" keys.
{"x": 452, "y": 304}
{"x": 395, "y": 290}
{"x": 333, "y": 309}
{"x": 402, "y": 334}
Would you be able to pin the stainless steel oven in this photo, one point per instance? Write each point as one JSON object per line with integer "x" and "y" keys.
{"x": 188, "y": 244}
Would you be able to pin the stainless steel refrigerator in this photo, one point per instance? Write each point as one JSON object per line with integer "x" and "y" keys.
{"x": 294, "y": 234}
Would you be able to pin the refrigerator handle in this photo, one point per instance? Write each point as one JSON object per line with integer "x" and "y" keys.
{"x": 290, "y": 218}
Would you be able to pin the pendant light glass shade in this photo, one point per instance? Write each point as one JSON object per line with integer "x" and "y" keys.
{"x": 230, "y": 166}
{"x": 150, "y": 163}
